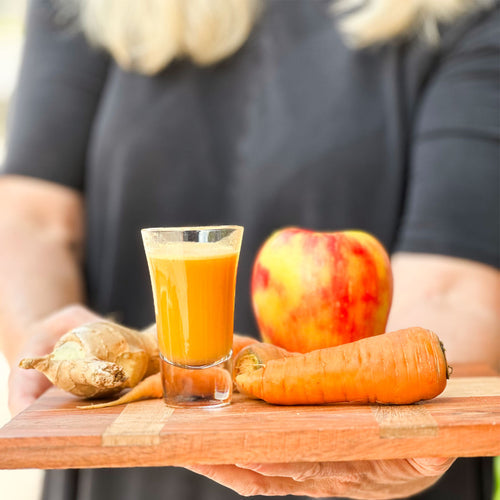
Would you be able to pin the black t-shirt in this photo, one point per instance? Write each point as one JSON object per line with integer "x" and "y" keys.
{"x": 294, "y": 129}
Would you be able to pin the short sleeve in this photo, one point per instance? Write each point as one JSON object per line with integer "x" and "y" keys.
{"x": 452, "y": 204}
{"x": 58, "y": 90}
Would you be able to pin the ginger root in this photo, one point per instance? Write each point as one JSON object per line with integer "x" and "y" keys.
{"x": 99, "y": 359}
{"x": 102, "y": 358}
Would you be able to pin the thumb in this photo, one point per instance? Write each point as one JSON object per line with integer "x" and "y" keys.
{"x": 66, "y": 319}
{"x": 24, "y": 388}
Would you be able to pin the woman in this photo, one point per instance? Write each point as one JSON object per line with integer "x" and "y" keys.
{"x": 264, "y": 115}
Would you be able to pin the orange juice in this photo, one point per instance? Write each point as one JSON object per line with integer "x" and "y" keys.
{"x": 194, "y": 286}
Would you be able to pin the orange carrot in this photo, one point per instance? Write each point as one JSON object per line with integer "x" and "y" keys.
{"x": 199, "y": 383}
{"x": 400, "y": 367}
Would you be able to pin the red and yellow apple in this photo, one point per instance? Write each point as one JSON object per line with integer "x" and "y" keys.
{"x": 312, "y": 290}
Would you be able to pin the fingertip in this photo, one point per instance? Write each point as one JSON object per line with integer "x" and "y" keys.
{"x": 432, "y": 465}
{"x": 196, "y": 468}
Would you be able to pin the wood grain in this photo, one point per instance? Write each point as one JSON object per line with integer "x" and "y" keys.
{"x": 137, "y": 425}
{"x": 54, "y": 433}
{"x": 406, "y": 421}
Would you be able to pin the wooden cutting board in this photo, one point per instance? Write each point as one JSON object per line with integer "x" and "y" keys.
{"x": 53, "y": 433}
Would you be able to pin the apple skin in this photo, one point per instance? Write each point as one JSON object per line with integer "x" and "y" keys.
{"x": 312, "y": 290}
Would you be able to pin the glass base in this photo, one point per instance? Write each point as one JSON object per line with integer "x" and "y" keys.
{"x": 209, "y": 387}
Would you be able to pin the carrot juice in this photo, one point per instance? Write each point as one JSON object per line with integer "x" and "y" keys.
{"x": 194, "y": 287}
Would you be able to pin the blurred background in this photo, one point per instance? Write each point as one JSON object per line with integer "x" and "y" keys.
{"x": 11, "y": 35}
{"x": 19, "y": 484}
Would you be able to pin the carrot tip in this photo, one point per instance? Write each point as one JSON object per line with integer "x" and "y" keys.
{"x": 449, "y": 369}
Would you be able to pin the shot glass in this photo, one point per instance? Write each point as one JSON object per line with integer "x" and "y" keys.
{"x": 193, "y": 276}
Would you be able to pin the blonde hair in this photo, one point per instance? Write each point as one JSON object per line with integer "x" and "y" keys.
{"x": 379, "y": 21}
{"x": 146, "y": 35}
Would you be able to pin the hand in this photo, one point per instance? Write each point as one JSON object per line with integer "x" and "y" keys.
{"x": 370, "y": 479}
{"x": 27, "y": 385}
